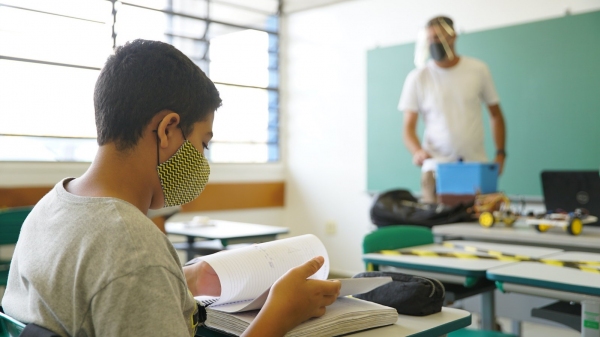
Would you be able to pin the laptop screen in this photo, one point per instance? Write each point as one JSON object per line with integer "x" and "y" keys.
{"x": 568, "y": 190}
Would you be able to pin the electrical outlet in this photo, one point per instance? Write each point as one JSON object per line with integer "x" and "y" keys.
{"x": 330, "y": 227}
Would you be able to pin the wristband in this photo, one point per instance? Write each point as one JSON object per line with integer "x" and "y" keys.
{"x": 501, "y": 153}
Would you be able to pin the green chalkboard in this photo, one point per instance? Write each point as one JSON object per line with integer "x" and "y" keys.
{"x": 547, "y": 74}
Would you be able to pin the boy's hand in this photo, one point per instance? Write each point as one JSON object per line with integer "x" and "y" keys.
{"x": 202, "y": 279}
{"x": 294, "y": 299}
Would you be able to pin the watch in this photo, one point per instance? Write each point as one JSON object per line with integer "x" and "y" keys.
{"x": 501, "y": 153}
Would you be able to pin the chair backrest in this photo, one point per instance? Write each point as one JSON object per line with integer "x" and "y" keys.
{"x": 10, "y": 327}
{"x": 11, "y": 220}
{"x": 395, "y": 237}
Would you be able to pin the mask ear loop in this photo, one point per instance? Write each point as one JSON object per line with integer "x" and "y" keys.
{"x": 158, "y": 141}
{"x": 443, "y": 38}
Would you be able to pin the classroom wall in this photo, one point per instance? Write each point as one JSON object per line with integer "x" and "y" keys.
{"x": 324, "y": 101}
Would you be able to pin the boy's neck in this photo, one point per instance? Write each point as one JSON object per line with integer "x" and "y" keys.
{"x": 117, "y": 175}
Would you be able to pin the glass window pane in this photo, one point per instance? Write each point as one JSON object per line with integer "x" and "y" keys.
{"x": 239, "y": 15}
{"x": 240, "y": 58}
{"x": 190, "y": 7}
{"x": 194, "y": 49}
{"x": 244, "y": 116}
{"x": 137, "y": 23}
{"x": 242, "y": 153}
{"x": 39, "y": 36}
{"x": 39, "y": 99}
{"x": 267, "y": 6}
{"x": 17, "y": 148}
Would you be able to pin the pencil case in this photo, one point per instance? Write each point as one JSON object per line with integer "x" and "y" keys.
{"x": 408, "y": 294}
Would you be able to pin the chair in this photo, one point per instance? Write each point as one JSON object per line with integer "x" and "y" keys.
{"x": 395, "y": 237}
{"x": 10, "y": 327}
{"x": 403, "y": 236}
{"x": 11, "y": 220}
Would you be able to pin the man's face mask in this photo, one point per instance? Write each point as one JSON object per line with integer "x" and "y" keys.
{"x": 437, "y": 51}
{"x": 184, "y": 175}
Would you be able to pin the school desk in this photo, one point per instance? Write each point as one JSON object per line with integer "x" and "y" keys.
{"x": 522, "y": 234}
{"x": 226, "y": 232}
{"x": 466, "y": 271}
{"x": 557, "y": 282}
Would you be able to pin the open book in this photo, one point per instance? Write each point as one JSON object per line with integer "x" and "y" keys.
{"x": 248, "y": 273}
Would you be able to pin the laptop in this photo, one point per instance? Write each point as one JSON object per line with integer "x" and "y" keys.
{"x": 568, "y": 190}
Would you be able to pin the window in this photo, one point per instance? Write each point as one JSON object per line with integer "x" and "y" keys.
{"x": 51, "y": 52}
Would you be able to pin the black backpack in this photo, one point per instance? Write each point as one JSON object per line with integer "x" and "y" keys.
{"x": 400, "y": 207}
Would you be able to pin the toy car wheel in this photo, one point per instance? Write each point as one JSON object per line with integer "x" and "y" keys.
{"x": 486, "y": 219}
{"x": 542, "y": 228}
{"x": 575, "y": 226}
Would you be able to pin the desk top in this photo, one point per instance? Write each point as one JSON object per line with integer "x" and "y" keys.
{"x": 552, "y": 277}
{"x": 220, "y": 229}
{"x": 446, "y": 321}
{"x": 457, "y": 266}
{"x": 523, "y": 234}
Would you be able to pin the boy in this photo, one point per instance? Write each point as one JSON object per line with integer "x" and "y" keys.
{"x": 90, "y": 263}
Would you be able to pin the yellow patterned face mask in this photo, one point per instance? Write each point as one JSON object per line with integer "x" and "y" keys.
{"x": 184, "y": 175}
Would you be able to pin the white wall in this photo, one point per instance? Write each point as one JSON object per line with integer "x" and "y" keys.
{"x": 324, "y": 101}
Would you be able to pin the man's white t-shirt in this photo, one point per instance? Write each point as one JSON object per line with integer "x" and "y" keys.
{"x": 449, "y": 99}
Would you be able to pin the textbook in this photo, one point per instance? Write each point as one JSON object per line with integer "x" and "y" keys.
{"x": 247, "y": 274}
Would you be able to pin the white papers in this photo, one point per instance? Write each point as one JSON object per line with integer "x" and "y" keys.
{"x": 248, "y": 273}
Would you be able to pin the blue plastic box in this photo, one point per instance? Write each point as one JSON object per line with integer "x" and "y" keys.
{"x": 466, "y": 178}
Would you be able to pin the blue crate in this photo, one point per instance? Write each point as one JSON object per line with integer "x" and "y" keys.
{"x": 466, "y": 178}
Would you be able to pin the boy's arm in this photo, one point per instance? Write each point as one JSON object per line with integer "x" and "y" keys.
{"x": 294, "y": 299}
{"x": 202, "y": 279}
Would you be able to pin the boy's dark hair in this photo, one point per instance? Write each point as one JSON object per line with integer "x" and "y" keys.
{"x": 436, "y": 21}
{"x": 143, "y": 78}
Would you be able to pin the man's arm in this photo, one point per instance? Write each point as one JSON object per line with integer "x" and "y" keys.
{"x": 499, "y": 133}
{"x": 410, "y": 137}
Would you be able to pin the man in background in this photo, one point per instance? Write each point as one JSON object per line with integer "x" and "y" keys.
{"x": 447, "y": 92}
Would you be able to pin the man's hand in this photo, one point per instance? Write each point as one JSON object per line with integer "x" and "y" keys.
{"x": 294, "y": 299}
{"x": 202, "y": 279}
{"x": 500, "y": 161}
{"x": 419, "y": 157}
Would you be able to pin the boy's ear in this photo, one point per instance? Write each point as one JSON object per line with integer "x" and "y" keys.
{"x": 167, "y": 128}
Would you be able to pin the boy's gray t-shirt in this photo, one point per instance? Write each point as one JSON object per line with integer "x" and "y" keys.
{"x": 96, "y": 267}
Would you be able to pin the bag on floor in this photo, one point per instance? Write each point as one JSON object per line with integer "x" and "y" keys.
{"x": 408, "y": 294}
{"x": 400, "y": 207}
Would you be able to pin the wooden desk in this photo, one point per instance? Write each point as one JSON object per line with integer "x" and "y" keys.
{"x": 446, "y": 321}
{"x": 562, "y": 283}
{"x": 588, "y": 240}
{"x": 227, "y": 232}
{"x": 457, "y": 270}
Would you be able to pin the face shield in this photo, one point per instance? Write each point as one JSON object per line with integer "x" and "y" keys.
{"x": 437, "y": 50}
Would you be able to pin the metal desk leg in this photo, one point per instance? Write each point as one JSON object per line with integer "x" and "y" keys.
{"x": 517, "y": 327}
{"x": 488, "y": 311}
{"x": 590, "y": 318}
{"x": 190, "y": 247}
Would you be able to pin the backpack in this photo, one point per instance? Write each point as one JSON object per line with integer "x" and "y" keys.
{"x": 400, "y": 207}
